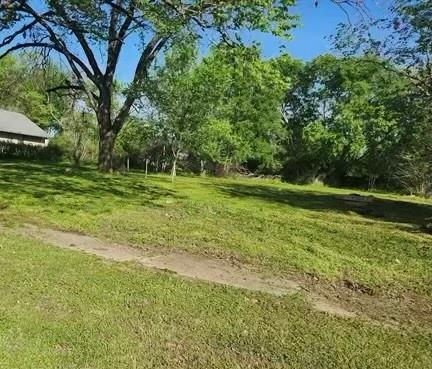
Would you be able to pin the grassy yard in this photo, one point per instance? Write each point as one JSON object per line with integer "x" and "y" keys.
{"x": 276, "y": 227}
{"x": 61, "y": 309}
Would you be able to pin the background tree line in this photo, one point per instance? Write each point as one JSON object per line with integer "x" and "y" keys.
{"x": 360, "y": 119}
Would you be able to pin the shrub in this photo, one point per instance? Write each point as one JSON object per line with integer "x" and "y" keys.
{"x": 9, "y": 150}
{"x": 415, "y": 174}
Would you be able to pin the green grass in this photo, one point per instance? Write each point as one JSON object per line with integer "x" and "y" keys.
{"x": 276, "y": 227}
{"x": 61, "y": 309}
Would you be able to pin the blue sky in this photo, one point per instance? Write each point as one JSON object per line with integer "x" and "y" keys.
{"x": 310, "y": 38}
{"x": 318, "y": 23}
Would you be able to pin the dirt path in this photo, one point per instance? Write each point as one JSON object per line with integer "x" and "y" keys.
{"x": 341, "y": 298}
{"x": 187, "y": 265}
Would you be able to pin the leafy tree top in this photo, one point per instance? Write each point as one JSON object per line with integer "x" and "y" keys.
{"x": 403, "y": 39}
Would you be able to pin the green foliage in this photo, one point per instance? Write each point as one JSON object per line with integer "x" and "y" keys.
{"x": 345, "y": 117}
{"x": 231, "y": 92}
{"x": 402, "y": 41}
{"x": 172, "y": 92}
{"x": 272, "y": 16}
{"x": 249, "y": 97}
{"x": 136, "y": 140}
{"x": 78, "y": 136}
{"x": 217, "y": 143}
{"x": 9, "y": 150}
{"x": 23, "y": 87}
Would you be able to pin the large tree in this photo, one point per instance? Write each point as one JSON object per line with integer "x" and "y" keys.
{"x": 176, "y": 98}
{"x": 90, "y": 35}
{"x": 345, "y": 117}
{"x": 402, "y": 42}
{"x": 247, "y": 93}
{"x": 231, "y": 92}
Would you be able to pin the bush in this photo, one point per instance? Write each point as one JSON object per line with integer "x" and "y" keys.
{"x": 10, "y": 150}
{"x": 415, "y": 174}
{"x": 300, "y": 171}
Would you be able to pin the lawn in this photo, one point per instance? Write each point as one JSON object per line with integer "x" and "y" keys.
{"x": 62, "y": 309}
{"x": 278, "y": 228}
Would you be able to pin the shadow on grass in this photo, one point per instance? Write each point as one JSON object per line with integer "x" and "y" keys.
{"x": 42, "y": 181}
{"x": 377, "y": 209}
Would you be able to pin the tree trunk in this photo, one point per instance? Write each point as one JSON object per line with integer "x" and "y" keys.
{"x": 174, "y": 169}
{"x": 202, "y": 172}
{"x": 371, "y": 183}
{"x": 76, "y": 158}
{"x": 226, "y": 168}
{"x": 163, "y": 160}
{"x": 108, "y": 129}
{"x": 106, "y": 148}
{"x": 146, "y": 167}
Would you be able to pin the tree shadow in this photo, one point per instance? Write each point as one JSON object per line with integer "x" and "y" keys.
{"x": 44, "y": 181}
{"x": 387, "y": 210}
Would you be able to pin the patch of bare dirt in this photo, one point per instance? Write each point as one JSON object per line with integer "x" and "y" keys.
{"x": 89, "y": 245}
{"x": 188, "y": 265}
{"x": 218, "y": 271}
{"x": 391, "y": 308}
{"x": 345, "y": 298}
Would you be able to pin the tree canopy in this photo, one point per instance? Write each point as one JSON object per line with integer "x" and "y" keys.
{"x": 23, "y": 87}
{"x": 232, "y": 94}
{"x": 402, "y": 42}
{"x": 90, "y": 35}
{"x": 344, "y": 117}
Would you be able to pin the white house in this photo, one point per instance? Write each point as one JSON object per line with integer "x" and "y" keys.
{"x": 17, "y": 128}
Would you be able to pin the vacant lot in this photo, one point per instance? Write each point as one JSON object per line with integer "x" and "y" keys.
{"x": 64, "y": 309}
{"x": 273, "y": 226}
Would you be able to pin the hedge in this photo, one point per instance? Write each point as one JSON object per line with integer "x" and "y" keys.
{"x": 9, "y": 150}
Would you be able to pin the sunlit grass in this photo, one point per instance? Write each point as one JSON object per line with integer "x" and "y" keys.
{"x": 61, "y": 309}
{"x": 276, "y": 227}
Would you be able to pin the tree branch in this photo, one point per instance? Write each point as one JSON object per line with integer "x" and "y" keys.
{"x": 147, "y": 57}
{"x": 127, "y": 12}
{"x": 116, "y": 40}
{"x": 9, "y": 39}
{"x": 74, "y": 27}
{"x": 66, "y": 87}
{"x": 58, "y": 45}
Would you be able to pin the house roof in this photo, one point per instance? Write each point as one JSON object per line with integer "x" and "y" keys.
{"x": 17, "y": 123}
